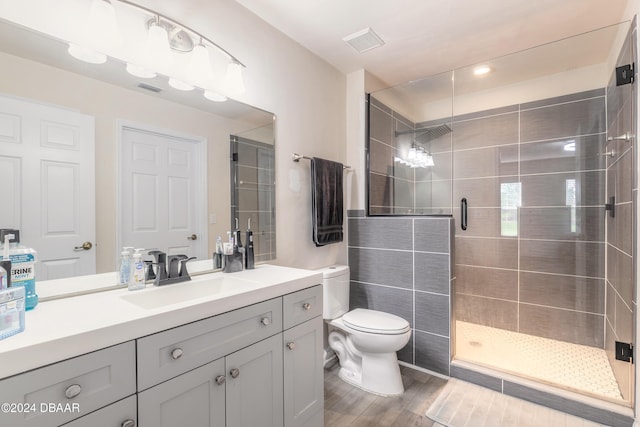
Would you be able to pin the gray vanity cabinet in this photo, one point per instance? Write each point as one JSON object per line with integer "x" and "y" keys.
{"x": 257, "y": 366}
{"x": 303, "y": 359}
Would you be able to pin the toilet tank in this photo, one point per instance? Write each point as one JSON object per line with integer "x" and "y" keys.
{"x": 335, "y": 291}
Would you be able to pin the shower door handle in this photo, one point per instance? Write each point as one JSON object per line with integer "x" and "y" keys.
{"x": 463, "y": 213}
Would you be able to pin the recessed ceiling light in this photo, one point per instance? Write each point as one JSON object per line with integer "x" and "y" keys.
{"x": 364, "y": 40}
{"x": 481, "y": 70}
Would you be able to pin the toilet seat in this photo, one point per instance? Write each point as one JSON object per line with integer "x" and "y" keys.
{"x": 375, "y": 322}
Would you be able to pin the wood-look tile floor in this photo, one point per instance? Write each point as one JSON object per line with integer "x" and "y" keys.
{"x": 345, "y": 405}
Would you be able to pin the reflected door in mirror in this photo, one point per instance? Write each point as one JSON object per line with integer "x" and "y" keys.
{"x": 160, "y": 207}
{"x": 47, "y": 184}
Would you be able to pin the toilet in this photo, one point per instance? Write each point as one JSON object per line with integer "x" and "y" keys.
{"x": 365, "y": 341}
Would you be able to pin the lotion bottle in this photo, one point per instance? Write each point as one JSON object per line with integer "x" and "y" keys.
{"x": 137, "y": 275}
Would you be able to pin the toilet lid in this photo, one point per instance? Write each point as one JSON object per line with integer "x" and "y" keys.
{"x": 376, "y": 322}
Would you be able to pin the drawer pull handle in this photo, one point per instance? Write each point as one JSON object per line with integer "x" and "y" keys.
{"x": 306, "y": 306}
{"x": 265, "y": 321}
{"x": 220, "y": 379}
{"x": 291, "y": 345}
{"x": 234, "y": 372}
{"x": 176, "y": 353}
{"x": 128, "y": 423}
{"x": 72, "y": 391}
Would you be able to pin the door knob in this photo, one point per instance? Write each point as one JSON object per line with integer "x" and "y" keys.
{"x": 84, "y": 247}
{"x": 192, "y": 237}
{"x": 291, "y": 345}
{"x": 220, "y": 379}
{"x": 234, "y": 372}
{"x": 306, "y": 306}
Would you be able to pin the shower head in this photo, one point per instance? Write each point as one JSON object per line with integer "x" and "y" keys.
{"x": 429, "y": 133}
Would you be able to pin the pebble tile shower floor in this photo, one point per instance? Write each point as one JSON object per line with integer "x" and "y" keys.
{"x": 575, "y": 367}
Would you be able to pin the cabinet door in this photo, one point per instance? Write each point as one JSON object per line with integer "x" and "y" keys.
{"x": 254, "y": 385}
{"x": 193, "y": 399}
{"x": 119, "y": 414}
{"x": 303, "y": 374}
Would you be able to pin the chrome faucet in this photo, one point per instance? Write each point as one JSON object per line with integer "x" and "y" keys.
{"x": 174, "y": 271}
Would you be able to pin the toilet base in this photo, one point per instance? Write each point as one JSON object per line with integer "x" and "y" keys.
{"x": 383, "y": 378}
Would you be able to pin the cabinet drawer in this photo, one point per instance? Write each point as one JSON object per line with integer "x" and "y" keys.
{"x": 170, "y": 353}
{"x": 301, "y": 306}
{"x": 74, "y": 387}
{"x": 119, "y": 414}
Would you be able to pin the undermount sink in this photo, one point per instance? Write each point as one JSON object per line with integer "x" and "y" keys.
{"x": 156, "y": 297}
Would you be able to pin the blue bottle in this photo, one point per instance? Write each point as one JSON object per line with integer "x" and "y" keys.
{"x": 23, "y": 265}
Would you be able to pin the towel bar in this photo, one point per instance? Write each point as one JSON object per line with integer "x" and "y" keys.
{"x": 296, "y": 158}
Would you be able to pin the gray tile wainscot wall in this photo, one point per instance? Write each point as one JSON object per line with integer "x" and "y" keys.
{"x": 403, "y": 266}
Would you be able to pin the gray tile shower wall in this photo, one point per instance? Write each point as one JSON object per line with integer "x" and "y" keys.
{"x": 404, "y": 266}
{"x": 534, "y": 182}
{"x": 622, "y": 185}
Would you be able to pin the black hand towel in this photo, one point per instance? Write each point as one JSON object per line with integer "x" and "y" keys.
{"x": 326, "y": 201}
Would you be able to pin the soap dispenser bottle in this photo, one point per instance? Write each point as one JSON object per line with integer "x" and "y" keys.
{"x": 138, "y": 275}
{"x": 124, "y": 272}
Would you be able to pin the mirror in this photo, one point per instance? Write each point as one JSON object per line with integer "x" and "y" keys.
{"x": 36, "y": 68}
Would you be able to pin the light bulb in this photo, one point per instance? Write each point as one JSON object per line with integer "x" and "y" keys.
{"x": 87, "y": 55}
{"x": 199, "y": 68}
{"x": 158, "y": 45}
{"x": 179, "y": 84}
{"x": 138, "y": 71}
{"x": 102, "y": 26}
{"x": 412, "y": 153}
{"x": 234, "y": 82}
{"x": 214, "y": 96}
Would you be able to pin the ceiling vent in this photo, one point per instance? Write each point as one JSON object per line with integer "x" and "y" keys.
{"x": 149, "y": 87}
{"x": 364, "y": 40}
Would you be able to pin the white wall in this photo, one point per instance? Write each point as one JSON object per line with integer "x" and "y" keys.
{"x": 305, "y": 93}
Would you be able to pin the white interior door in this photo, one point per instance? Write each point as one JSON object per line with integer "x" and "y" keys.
{"x": 47, "y": 181}
{"x": 162, "y": 192}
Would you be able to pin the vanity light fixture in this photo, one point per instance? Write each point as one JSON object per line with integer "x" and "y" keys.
{"x": 481, "y": 70}
{"x": 164, "y": 36}
{"x": 569, "y": 146}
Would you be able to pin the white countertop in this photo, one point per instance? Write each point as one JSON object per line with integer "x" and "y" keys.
{"x": 60, "y": 329}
